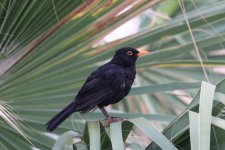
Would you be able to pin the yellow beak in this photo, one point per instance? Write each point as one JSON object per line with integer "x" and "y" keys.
{"x": 142, "y": 53}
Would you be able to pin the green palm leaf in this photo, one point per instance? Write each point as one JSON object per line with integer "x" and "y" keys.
{"x": 48, "y": 48}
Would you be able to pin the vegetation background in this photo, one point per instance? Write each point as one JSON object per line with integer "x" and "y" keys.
{"x": 48, "y": 48}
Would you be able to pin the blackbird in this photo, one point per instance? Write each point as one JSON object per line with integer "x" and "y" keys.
{"x": 109, "y": 84}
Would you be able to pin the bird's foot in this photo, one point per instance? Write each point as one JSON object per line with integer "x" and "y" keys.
{"x": 115, "y": 119}
{"x": 110, "y": 119}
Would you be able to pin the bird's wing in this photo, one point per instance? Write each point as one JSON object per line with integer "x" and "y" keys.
{"x": 98, "y": 87}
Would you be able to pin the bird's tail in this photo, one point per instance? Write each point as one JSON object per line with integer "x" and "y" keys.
{"x": 60, "y": 117}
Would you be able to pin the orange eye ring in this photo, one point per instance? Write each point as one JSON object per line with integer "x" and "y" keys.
{"x": 129, "y": 53}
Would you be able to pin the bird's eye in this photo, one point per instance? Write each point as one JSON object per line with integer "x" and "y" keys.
{"x": 129, "y": 53}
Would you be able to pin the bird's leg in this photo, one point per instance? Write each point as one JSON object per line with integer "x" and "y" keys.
{"x": 105, "y": 112}
{"x": 109, "y": 119}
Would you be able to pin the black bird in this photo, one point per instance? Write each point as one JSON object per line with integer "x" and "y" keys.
{"x": 109, "y": 84}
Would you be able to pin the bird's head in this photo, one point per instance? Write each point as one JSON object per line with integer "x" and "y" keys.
{"x": 127, "y": 56}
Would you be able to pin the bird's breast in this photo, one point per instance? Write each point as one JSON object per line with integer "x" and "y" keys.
{"x": 130, "y": 74}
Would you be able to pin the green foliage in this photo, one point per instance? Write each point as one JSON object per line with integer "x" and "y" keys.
{"x": 49, "y": 47}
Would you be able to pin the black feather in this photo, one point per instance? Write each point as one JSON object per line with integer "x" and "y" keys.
{"x": 109, "y": 84}
{"x": 60, "y": 117}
